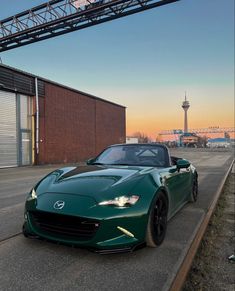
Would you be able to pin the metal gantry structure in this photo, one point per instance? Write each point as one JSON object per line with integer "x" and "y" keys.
{"x": 58, "y": 17}
{"x": 200, "y": 130}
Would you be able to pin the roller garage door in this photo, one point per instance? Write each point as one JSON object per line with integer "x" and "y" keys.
{"x": 8, "y": 138}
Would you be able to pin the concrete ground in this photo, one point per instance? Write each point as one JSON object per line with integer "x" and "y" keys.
{"x": 32, "y": 264}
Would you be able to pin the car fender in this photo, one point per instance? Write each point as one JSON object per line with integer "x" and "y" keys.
{"x": 160, "y": 189}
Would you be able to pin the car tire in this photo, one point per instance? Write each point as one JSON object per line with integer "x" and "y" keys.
{"x": 25, "y": 233}
{"x": 157, "y": 223}
{"x": 194, "y": 191}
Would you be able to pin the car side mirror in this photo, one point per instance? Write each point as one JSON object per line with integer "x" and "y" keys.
{"x": 90, "y": 161}
{"x": 182, "y": 164}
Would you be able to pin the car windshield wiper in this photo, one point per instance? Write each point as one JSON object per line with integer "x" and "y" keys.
{"x": 97, "y": 163}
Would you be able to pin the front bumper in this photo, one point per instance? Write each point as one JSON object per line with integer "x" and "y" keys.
{"x": 103, "y": 251}
{"x": 115, "y": 234}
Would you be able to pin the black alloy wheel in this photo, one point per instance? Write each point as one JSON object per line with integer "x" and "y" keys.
{"x": 157, "y": 225}
{"x": 160, "y": 219}
{"x": 195, "y": 190}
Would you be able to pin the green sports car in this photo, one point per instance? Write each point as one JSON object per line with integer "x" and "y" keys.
{"x": 120, "y": 200}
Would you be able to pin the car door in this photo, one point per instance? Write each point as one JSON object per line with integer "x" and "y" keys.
{"x": 178, "y": 186}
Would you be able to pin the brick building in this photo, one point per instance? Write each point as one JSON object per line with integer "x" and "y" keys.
{"x": 45, "y": 122}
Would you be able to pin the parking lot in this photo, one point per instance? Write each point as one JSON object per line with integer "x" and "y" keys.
{"x": 32, "y": 264}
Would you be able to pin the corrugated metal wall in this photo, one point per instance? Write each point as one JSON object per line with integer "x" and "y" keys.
{"x": 16, "y": 87}
{"x": 8, "y": 138}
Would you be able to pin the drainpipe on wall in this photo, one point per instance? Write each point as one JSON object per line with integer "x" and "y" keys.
{"x": 37, "y": 116}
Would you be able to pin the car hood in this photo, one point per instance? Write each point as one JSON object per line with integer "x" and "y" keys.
{"x": 98, "y": 182}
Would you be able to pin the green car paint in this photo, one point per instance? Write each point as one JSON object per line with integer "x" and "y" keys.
{"x": 81, "y": 190}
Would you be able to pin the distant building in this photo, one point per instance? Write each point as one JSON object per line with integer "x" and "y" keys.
{"x": 209, "y": 133}
{"x": 130, "y": 139}
{"x": 189, "y": 140}
{"x": 218, "y": 143}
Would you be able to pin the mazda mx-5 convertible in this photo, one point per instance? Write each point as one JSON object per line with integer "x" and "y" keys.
{"x": 120, "y": 200}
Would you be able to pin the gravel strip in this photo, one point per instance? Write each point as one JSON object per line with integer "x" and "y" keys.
{"x": 211, "y": 269}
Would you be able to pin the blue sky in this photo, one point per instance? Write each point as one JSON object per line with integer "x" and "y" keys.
{"x": 145, "y": 61}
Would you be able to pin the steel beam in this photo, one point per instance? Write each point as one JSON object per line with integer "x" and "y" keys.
{"x": 58, "y": 17}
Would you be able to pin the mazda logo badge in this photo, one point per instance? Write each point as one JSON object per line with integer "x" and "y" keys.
{"x": 59, "y": 204}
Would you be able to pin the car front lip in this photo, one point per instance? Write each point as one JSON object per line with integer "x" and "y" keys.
{"x": 119, "y": 250}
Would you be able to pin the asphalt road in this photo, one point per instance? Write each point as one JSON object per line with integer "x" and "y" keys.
{"x": 32, "y": 264}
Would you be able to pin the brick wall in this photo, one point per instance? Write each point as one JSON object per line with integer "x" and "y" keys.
{"x": 110, "y": 125}
{"x": 74, "y": 127}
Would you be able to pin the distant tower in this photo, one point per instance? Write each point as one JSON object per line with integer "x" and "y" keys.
{"x": 185, "y": 106}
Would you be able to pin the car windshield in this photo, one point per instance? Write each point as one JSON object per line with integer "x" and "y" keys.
{"x": 134, "y": 155}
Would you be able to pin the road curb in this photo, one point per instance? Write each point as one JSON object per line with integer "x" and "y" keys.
{"x": 181, "y": 275}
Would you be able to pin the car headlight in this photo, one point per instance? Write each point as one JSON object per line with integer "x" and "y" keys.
{"x": 33, "y": 194}
{"x": 121, "y": 201}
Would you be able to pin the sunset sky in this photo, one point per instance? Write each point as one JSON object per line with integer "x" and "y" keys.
{"x": 145, "y": 62}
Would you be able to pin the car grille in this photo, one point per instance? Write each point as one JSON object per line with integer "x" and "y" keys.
{"x": 64, "y": 226}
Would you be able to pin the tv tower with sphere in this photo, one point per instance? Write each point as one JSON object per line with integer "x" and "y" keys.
{"x": 185, "y": 106}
